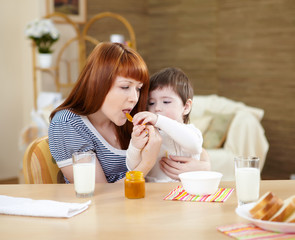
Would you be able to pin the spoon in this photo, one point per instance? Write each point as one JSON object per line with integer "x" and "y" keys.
{"x": 129, "y": 117}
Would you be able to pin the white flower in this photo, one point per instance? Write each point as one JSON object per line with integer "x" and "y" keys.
{"x": 43, "y": 33}
{"x": 38, "y": 28}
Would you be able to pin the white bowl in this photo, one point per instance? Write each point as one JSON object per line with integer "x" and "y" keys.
{"x": 200, "y": 182}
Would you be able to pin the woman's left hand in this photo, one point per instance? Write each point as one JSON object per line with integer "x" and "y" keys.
{"x": 174, "y": 165}
{"x": 151, "y": 150}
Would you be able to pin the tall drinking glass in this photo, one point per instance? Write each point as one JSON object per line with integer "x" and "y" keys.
{"x": 84, "y": 173}
{"x": 247, "y": 179}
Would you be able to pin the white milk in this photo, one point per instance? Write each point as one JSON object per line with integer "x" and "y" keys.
{"x": 84, "y": 177}
{"x": 247, "y": 184}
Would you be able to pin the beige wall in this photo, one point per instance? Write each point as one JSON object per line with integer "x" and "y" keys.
{"x": 16, "y": 80}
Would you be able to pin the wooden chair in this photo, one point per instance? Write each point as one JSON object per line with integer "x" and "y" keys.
{"x": 39, "y": 167}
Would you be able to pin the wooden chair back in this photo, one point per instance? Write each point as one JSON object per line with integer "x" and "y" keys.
{"x": 39, "y": 167}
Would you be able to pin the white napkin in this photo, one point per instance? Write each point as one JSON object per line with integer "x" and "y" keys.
{"x": 40, "y": 208}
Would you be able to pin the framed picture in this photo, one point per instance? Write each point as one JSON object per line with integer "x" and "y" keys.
{"x": 74, "y": 9}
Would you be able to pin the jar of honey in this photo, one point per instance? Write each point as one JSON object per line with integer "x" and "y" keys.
{"x": 134, "y": 185}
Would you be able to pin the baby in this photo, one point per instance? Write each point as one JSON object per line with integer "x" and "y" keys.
{"x": 169, "y": 106}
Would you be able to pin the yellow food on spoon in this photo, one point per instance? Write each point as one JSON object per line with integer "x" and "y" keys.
{"x": 129, "y": 117}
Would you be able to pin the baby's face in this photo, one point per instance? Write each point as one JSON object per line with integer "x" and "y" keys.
{"x": 166, "y": 102}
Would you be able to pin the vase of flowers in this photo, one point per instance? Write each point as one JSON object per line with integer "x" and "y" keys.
{"x": 44, "y": 34}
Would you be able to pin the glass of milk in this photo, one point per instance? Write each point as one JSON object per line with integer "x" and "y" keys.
{"x": 247, "y": 179}
{"x": 84, "y": 173}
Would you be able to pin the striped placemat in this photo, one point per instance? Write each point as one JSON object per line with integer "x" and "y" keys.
{"x": 180, "y": 194}
{"x": 249, "y": 231}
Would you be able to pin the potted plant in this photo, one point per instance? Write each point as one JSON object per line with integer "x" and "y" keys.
{"x": 44, "y": 34}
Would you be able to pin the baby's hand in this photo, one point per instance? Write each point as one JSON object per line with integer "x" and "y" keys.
{"x": 144, "y": 118}
{"x": 139, "y": 136}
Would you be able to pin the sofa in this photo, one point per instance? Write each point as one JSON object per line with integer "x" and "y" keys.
{"x": 229, "y": 129}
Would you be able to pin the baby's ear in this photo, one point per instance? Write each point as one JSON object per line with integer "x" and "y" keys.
{"x": 188, "y": 107}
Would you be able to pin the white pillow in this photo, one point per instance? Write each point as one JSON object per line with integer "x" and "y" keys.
{"x": 218, "y": 104}
{"x": 202, "y": 122}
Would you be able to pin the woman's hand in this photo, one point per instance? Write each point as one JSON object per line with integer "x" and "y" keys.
{"x": 175, "y": 165}
{"x": 151, "y": 150}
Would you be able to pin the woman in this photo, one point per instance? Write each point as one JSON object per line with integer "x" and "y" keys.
{"x": 113, "y": 82}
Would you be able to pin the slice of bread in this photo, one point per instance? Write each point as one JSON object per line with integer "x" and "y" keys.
{"x": 291, "y": 218}
{"x": 266, "y": 207}
{"x": 262, "y": 202}
{"x": 274, "y": 208}
{"x": 285, "y": 211}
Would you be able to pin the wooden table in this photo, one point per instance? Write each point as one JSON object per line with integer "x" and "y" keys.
{"x": 112, "y": 216}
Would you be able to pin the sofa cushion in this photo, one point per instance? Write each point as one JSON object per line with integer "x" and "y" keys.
{"x": 215, "y": 103}
{"x": 202, "y": 122}
{"x": 216, "y": 133}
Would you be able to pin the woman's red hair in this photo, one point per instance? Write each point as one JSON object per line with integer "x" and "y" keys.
{"x": 105, "y": 63}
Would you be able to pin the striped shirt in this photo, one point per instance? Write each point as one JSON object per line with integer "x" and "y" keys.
{"x": 69, "y": 132}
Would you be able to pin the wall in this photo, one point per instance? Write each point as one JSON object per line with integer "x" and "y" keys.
{"x": 243, "y": 50}
{"x": 256, "y": 54}
{"x": 16, "y": 81}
